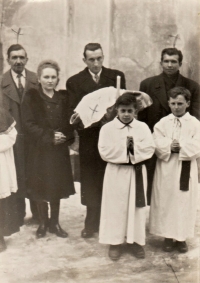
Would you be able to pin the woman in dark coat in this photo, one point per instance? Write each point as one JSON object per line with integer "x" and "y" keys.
{"x": 49, "y": 174}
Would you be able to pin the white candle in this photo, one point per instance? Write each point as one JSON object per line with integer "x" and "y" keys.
{"x": 118, "y": 86}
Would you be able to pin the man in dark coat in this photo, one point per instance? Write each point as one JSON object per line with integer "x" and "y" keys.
{"x": 14, "y": 86}
{"x": 157, "y": 87}
{"x": 92, "y": 167}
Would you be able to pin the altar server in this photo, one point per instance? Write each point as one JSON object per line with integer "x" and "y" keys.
{"x": 175, "y": 185}
{"x": 124, "y": 144}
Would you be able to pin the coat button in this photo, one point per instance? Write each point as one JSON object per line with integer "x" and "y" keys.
{"x": 57, "y": 106}
{"x": 48, "y": 106}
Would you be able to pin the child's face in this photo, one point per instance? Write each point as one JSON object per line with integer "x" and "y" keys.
{"x": 126, "y": 113}
{"x": 178, "y": 105}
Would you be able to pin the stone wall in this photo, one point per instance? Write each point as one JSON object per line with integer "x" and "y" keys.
{"x": 132, "y": 33}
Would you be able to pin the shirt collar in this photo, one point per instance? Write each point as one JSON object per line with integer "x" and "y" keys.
{"x": 14, "y": 75}
{"x": 93, "y": 75}
{"x": 185, "y": 117}
{"x": 121, "y": 125}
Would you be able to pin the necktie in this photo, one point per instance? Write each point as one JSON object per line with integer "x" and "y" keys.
{"x": 96, "y": 78}
{"x": 20, "y": 86}
{"x": 177, "y": 129}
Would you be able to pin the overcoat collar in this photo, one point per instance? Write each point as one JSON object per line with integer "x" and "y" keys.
{"x": 9, "y": 87}
{"x": 45, "y": 97}
{"x": 160, "y": 91}
{"x": 87, "y": 83}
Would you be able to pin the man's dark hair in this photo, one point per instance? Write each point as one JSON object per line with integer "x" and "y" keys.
{"x": 15, "y": 47}
{"x": 126, "y": 98}
{"x": 172, "y": 51}
{"x": 179, "y": 90}
{"x": 91, "y": 47}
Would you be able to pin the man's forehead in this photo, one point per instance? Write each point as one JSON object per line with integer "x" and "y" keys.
{"x": 20, "y": 52}
{"x": 170, "y": 57}
{"x": 94, "y": 54}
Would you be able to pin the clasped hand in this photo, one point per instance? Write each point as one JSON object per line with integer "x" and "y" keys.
{"x": 59, "y": 138}
{"x": 175, "y": 146}
{"x": 130, "y": 144}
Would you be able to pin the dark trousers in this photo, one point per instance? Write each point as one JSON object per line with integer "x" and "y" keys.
{"x": 92, "y": 219}
{"x": 21, "y": 207}
{"x": 34, "y": 209}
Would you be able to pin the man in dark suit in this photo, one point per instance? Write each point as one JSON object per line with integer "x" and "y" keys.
{"x": 92, "y": 167}
{"x": 157, "y": 87}
{"x": 14, "y": 86}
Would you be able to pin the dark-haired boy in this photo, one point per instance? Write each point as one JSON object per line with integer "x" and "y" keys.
{"x": 175, "y": 184}
{"x": 124, "y": 144}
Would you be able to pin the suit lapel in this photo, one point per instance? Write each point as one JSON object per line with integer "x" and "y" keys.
{"x": 105, "y": 78}
{"x": 87, "y": 83}
{"x": 180, "y": 81}
{"x": 31, "y": 82}
{"x": 9, "y": 87}
{"x": 160, "y": 92}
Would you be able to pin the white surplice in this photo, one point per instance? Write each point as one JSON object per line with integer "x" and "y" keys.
{"x": 173, "y": 211}
{"x": 8, "y": 180}
{"x": 120, "y": 217}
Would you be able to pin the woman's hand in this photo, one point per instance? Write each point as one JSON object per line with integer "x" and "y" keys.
{"x": 59, "y": 138}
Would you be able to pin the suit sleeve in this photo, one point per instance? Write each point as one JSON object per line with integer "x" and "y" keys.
{"x": 67, "y": 129}
{"x": 72, "y": 95}
{"x": 195, "y": 102}
{"x": 123, "y": 81}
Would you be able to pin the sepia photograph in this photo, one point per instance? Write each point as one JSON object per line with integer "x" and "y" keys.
{"x": 99, "y": 141}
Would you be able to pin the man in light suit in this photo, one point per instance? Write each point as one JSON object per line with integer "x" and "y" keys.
{"x": 14, "y": 86}
{"x": 92, "y": 167}
{"x": 157, "y": 87}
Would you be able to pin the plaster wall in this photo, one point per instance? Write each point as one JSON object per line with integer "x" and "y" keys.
{"x": 132, "y": 33}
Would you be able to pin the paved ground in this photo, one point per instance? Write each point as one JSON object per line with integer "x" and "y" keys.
{"x": 76, "y": 260}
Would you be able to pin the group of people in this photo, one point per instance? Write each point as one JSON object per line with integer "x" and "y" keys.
{"x": 123, "y": 166}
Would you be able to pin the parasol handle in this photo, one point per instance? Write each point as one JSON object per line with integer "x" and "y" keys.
{"x": 118, "y": 86}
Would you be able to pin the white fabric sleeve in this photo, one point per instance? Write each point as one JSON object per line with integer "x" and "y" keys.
{"x": 162, "y": 142}
{"x": 144, "y": 146}
{"x": 114, "y": 151}
{"x": 7, "y": 140}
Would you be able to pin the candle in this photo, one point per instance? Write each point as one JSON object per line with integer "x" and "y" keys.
{"x": 118, "y": 86}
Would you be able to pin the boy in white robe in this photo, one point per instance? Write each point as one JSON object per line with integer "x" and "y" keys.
{"x": 175, "y": 186}
{"x": 124, "y": 143}
{"x": 9, "y": 218}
